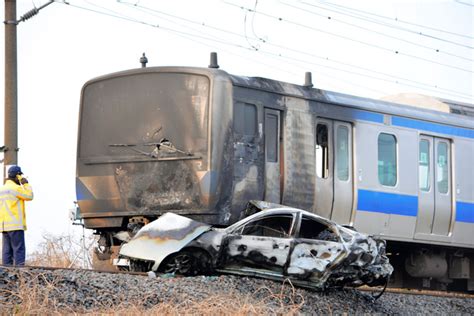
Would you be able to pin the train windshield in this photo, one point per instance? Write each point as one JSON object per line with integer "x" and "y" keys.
{"x": 147, "y": 114}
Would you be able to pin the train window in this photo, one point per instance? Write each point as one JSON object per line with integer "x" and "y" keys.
{"x": 387, "y": 159}
{"x": 424, "y": 166}
{"x": 271, "y": 137}
{"x": 342, "y": 154}
{"x": 245, "y": 119}
{"x": 443, "y": 168}
{"x": 322, "y": 151}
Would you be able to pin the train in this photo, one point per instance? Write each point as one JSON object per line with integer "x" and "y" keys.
{"x": 202, "y": 143}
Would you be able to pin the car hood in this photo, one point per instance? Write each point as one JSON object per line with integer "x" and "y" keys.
{"x": 162, "y": 237}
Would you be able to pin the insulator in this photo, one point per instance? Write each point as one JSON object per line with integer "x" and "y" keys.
{"x": 29, "y": 14}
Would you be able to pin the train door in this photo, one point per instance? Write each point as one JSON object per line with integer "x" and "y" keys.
{"x": 272, "y": 155}
{"x": 343, "y": 183}
{"x": 324, "y": 167}
{"x": 333, "y": 161}
{"x": 435, "y": 194}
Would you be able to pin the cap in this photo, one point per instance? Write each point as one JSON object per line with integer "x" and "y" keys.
{"x": 13, "y": 171}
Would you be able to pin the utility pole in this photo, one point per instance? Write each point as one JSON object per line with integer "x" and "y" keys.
{"x": 10, "y": 148}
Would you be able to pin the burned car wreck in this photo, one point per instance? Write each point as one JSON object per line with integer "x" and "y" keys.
{"x": 277, "y": 242}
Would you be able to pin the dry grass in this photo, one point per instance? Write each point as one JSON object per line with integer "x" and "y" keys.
{"x": 64, "y": 251}
{"x": 219, "y": 304}
{"x": 38, "y": 294}
{"x": 34, "y": 294}
{"x": 29, "y": 295}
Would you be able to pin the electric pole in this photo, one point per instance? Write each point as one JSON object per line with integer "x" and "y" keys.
{"x": 10, "y": 148}
{"x": 11, "y": 86}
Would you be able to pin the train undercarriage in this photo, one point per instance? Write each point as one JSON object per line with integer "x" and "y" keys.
{"x": 431, "y": 267}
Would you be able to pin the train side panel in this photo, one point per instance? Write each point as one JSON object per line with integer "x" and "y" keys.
{"x": 463, "y": 233}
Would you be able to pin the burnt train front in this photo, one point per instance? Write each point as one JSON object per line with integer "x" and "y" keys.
{"x": 145, "y": 147}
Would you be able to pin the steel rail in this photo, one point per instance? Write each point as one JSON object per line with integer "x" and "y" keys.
{"x": 419, "y": 292}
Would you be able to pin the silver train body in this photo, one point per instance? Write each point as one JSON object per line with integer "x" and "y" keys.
{"x": 202, "y": 143}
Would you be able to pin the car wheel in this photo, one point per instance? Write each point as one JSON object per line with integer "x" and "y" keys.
{"x": 183, "y": 262}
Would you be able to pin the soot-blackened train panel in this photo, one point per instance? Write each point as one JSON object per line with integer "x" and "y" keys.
{"x": 299, "y": 160}
{"x": 160, "y": 185}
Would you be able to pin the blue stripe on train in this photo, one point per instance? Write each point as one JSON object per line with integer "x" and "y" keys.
{"x": 464, "y": 212}
{"x": 406, "y": 205}
{"x": 387, "y": 203}
{"x": 415, "y": 124}
{"x": 433, "y": 127}
{"x": 367, "y": 116}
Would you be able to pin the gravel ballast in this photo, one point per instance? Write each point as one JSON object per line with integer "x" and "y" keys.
{"x": 85, "y": 291}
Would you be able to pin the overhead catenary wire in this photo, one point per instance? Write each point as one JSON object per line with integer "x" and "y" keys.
{"x": 123, "y": 17}
{"x": 273, "y": 66}
{"x": 350, "y": 12}
{"x": 396, "y": 19}
{"x": 240, "y": 46}
{"x": 192, "y": 37}
{"x": 272, "y": 55}
{"x": 331, "y": 18}
{"x": 276, "y": 56}
{"x": 395, "y": 79}
{"x": 187, "y": 36}
{"x": 207, "y": 38}
{"x": 354, "y": 73}
{"x": 287, "y": 58}
{"x": 393, "y": 51}
{"x": 464, "y": 3}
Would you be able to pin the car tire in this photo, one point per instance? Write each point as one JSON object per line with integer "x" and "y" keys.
{"x": 186, "y": 262}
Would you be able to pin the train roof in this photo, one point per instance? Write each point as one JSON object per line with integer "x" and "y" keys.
{"x": 460, "y": 117}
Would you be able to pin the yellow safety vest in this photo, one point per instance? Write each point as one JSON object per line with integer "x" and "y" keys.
{"x": 12, "y": 205}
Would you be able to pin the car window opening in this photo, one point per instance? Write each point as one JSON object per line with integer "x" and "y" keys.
{"x": 311, "y": 229}
{"x": 274, "y": 226}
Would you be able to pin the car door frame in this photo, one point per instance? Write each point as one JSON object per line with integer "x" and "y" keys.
{"x": 232, "y": 235}
{"x": 298, "y": 241}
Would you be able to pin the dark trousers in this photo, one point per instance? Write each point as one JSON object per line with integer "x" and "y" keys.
{"x": 13, "y": 248}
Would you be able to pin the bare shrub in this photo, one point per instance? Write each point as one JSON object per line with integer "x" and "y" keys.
{"x": 63, "y": 251}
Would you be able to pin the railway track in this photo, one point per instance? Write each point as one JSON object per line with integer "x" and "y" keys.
{"x": 363, "y": 288}
{"x": 419, "y": 292}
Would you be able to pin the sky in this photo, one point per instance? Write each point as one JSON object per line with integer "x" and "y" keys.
{"x": 366, "y": 48}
